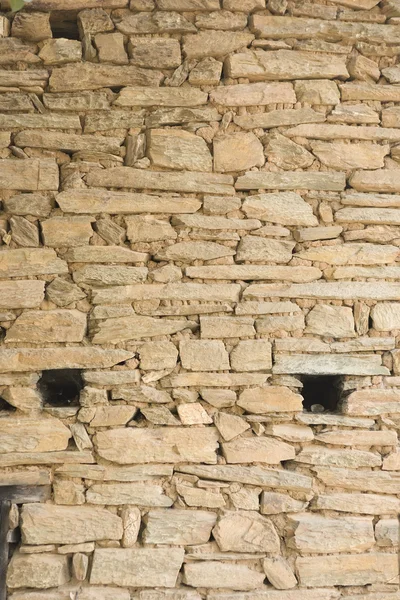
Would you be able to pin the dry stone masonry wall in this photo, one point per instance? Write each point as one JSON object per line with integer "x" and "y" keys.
{"x": 199, "y": 298}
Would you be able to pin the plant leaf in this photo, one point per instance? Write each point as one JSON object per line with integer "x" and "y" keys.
{"x": 16, "y": 5}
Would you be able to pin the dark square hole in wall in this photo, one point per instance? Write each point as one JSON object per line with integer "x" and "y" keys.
{"x": 321, "y": 393}
{"x": 5, "y": 406}
{"x": 64, "y": 24}
{"x": 60, "y": 387}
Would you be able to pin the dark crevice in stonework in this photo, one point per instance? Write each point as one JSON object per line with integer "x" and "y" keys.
{"x": 5, "y": 406}
{"x": 321, "y": 393}
{"x": 61, "y": 387}
{"x": 64, "y": 25}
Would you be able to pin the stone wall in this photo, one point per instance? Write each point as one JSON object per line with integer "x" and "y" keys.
{"x": 200, "y": 213}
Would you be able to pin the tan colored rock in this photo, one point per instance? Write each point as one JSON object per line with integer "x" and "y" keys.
{"x": 158, "y": 22}
{"x": 31, "y": 27}
{"x": 178, "y": 149}
{"x": 254, "y": 94}
{"x": 245, "y": 532}
{"x": 215, "y": 43}
{"x": 193, "y": 414}
{"x": 372, "y": 402}
{"x": 324, "y": 364}
{"x": 333, "y": 290}
{"x": 164, "y": 96}
{"x": 28, "y": 359}
{"x": 172, "y": 291}
{"x": 214, "y": 574}
{"x": 199, "y": 497}
{"x": 92, "y": 21}
{"x": 60, "y": 51}
{"x": 116, "y": 119}
{"x": 207, "y": 72}
{"x": 237, "y": 152}
{"x": 80, "y": 565}
{"x": 385, "y": 316}
{"x": 160, "y": 53}
{"x": 356, "y": 254}
{"x": 226, "y": 327}
{"x": 127, "y": 493}
{"x": 270, "y": 399}
{"x": 37, "y": 571}
{"x": 68, "y": 141}
{"x": 109, "y": 416}
{"x": 179, "y": 527}
{"x": 25, "y": 399}
{"x": 131, "y": 518}
{"x": 285, "y": 65}
{"x": 40, "y": 327}
{"x": 110, "y": 47}
{"x": 139, "y": 567}
{"x": 27, "y": 80}
{"x": 63, "y": 231}
{"x": 13, "y": 50}
{"x": 286, "y": 154}
{"x": 347, "y": 569}
{"x": 214, "y": 379}
{"x": 274, "y": 503}
{"x": 29, "y": 434}
{"x": 158, "y": 356}
{"x": 230, "y": 426}
{"x": 28, "y": 262}
{"x": 362, "y": 481}
{"x": 351, "y": 459}
{"x": 358, "y": 438}
{"x": 285, "y": 208}
{"x": 251, "y": 355}
{"x": 252, "y": 248}
{"x": 338, "y": 155}
{"x": 271, "y": 324}
{"x": 257, "y": 449}
{"x": 29, "y": 175}
{"x": 115, "y": 330}
{"x": 317, "y": 92}
{"x": 337, "y": 132}
{"x": 46, "y": 523}
{"x": 190, "y": 251}
{"x": 89, "y": 76}
{"x": 368, "y": 504}
{"x": 215, "y": 223}
{"x": 254, "y": 273}
{"x": 321, "y": 535}
{"x": 279, "y": 573}
{"x": 290, "y": 180}
{"x": 202, "y": 355}
{"x": 331, "y": 321}
{"x": 387, "y": 533}
{"x": 102, "y": 275}
{"x": 276, "y": 118}
{"x": 356, "y": 113}
{"x": 127, "y": 446}
{"x": 62, "y": 292}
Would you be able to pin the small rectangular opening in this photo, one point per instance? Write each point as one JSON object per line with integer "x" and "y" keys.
{"x": 321, "y": 393}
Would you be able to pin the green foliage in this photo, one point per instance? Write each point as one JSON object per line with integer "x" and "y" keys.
{"x": 17, "y": 5}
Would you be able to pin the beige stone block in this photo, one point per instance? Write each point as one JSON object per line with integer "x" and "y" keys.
{"x": 120, "y": 329}
{"x": 101, "y": 201}
{"x": 188, "y": 5}
{"x": 101, "y": 275}
{"x": 40, "y": 327}
{"x": 116, "y": 119}
{"x": 214, "y": 574}
{"x": 31, "y": 27}
{"x": 330, "y": 321}
{"x": 387, "y": 533}
{"x": 13, "y": 50}
{"x": 351, "y": 254}
{"x": 291, "y": 432}
{"x": 178, "y": 149}
{"x": 190, "y": 251}
{"x": 168, "y": 444}
{"x": 327, "y": 364}
{"x": 179, "y": 527}
{"x": 341, "y": 156}
{"x": 215, "y": 43}
{"x": 224, "y": 20}
{"x": 285, "y": 65}
{"x": 67, "y": 231}
{"x": 68, "y": 492}
{"x": 252, "y": 355}
{"x": 286, "y": 154}
{"x": 237, "y": 152}
{"x": 368, "y": 504}
{"x": 347, "y": 569}
{"x": 104, "y": 254}
{"x": 164, "y": 96}
{"x": 358, "y": 438}
{"x": 357, "y": 113}
{"x": 344, "y": 290}
{"x": 30, "y": 434}
{"x": 109, "y": 416}
{"x": 68, "y": 141}
{"x": 23, "y": 398}
{"x": 44, "y": 523}
{"x": 207, "y": 72}
{"x": 387, "y": 216}
{"x": 320, "y": 535}
{"x": 291, "y": 180}
{"x": 28, "y": 359}
{"x": 111, "y": 48}
{"x": 189, "y": 181}
{"x": 219, "y": 398}
{"x": 252, "y": 248}
{"x": 285, "y": 208}
{"x": 131, "y": 519}
{"x": 214, "y": 379}
{"x": 38, "y": 571}
{"x": 202, "y": 355}
{"x": 270, "y": 399}
{"x": 279, "y": 573}
{"x": 230, "y": 426}
{"x": 257, "y": 449}
{"x": 114, "y": 494}
{"x": 372, "y": 402}
{"x": 61, "y": 51}
{"x": 245, "y": 532}
{"x": 139, "y": 567}
{"x": 381, "y": 180}
{"x": 361, "y": 481}
{"x": 386, "y": 316}
{"x": 254, "y": 94}
{"x": 215, "y": 223}
{"x": 254, "y": 273}
{"x": 273, "y": 323}
{"x": 274, "y": 503}
{"x": 160, "y": 53}
{"x": 158, "y": 356}
{"x": 146, "y": 22}
{"x": 351, "y": 459}
{"x": 199, "y": 497}
{"x": 226, "y": 327}
{"x": 28, "y": 175}
{"x": 193, "y": 414}
{"x": 89, "y": 76}
{"x": 337, "y": 132}
{"x": 254, "y": 475}
{"x": 21, "y": 294}
{"x": 276, "y": 118}
{"x": 317, "y": 92}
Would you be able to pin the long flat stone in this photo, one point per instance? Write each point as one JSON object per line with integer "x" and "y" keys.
{"x": 165, "y": 96}
{"x": 379, "y": 482}
{"x": 277, "y": 118}
{"x": 28, "y": 359}
{"x": 90, "y": 76}
{"x": 328, "y": 131}
{"x": 52, "y": 524}
{"x": 104, "y": 254}
{"x": 46, "y": 458}
{"x": 32, "y": 435}
{"x": 380, "y": 180}
{"x": 254, "y": 272}
{"x": 329, "y": 364}
{"x": 369, "y": 91}
{"x": 344, "y": 290}
{"x": 254, "y": 475}
{"x": 271, "y": 594}
{"x": 30, "y": 174}
{"x": 291, "y": 180}
{"x": 278, "y": 28}
{"x": 127, "y": 177}
{"x": 260, "y": 65}
{"x": 120, "y": 329}
{"x": 214, "y": 380}
{"x": 179, "y": 527}
{"x": 114, "y": 494}
{"x": 347, "y": 569}
{"x": 253, "y": 94}
{"x": 30, "y": 261}
{"x": 139, "y": 567}
{"x": 167, "y": 444}
{"x": 54, "y": 140}
{"x": 171, "y": 291}
{"x": 38, "y": 121}
{"x": 37, "y": 571}
{"x": 368, "y": 504}
{"x": 327, "y": 457}
{"x": 21, "y": 294}
{"x": 351, "y": 254}
{"x": 368, "y": 216}
{"x": 372, "y": 402}
{"x": 102, "y": 201}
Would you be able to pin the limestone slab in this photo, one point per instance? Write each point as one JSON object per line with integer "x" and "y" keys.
{"x": 275, "y": 118}
{"x": 344, "y": 290}
{"x": 368, "y": 504}
{"x": 291, "y": 180}
{"x": 380, "y": 180}
{"x": 146, "y": 22}
{"x": 254, "y": 273}
{"x": 341, "y": 156}
{"x": 28, "y": 359}
{"x": 254, "y": 94}
{"x": 328, "y": 364}
{"x": 89, "y": 76}
{"x": 265, "y": 450}
{"x": 371, "y": 402}
{"x": 37, "y": 571}
{"x": 68, "y": 141}
{"x": 139, "y": 567}
{"x": 214, "y": 574}
{"x": 245, "y": 531}
{"x": 121, "y": 329}
{"x": 203, "y": 355}
{"x": 29, "y": 175}
{"x": 387, "y": 533}
{"x": 237, "y": 152}
{"x": 29, "y": 434}
{"x": 361, "y": 481}
{"x": 104, "y": 275}
{"x": 270, "y": 399}
{"x": 179, "y": 527}
{"x": 190, "y": 251}
{"x": 178, "y": 149}
{"x": 285, "y": 208}
{"x": 252, "y": 248}
{"x": 165, "y": 96}
{"x": 351, "y": 253}
{"x": 173, "y": 291}
{"x": 322, "y": 131}
{"x": 127, "y": 446}
{"x": 112, "y": 494}
{"x": 54, "y": 524}
{"x": 350, "y": 459}
{"x": 38, "y": 327}
{"x": 21, "y": 294}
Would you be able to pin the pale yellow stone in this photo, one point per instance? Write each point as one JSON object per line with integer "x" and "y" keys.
{"x": 60, "y": 51}
{"x": 254, "y": 273}
{"x": 254, "y": 94}
{"x": 353, "y": 254}
{"x": 274, "y": 503}
{"x": 291, "y": 180}
{"x": 115, "y": 330}
{"x": 63, "y": 231}
{"x": 358, "y": 438}
{"x": 381, "y": 180}
{"x": 368, "y": 504}
{"x": 328, "y": 364}
{"x": 178, "y": 527}
{"x": 279, "y": 573}
{"x": 372, "y": 402}
{"x": 178, "y": 149}
{"x": 27, "y": 434}
{"x": 275, "y": 118}
{"x": 331, "y": 321}
{"x": 190, "y": 251}
{"x": 337, "y": 132}
{"x": 329, "y": 457}
{"x": 215, "y": 43}
{"x": 27, "y": 359}
{"x": 286, "y": 154}
{"x": 237, "y": 152}
{"x": 40, "y": 327}
{"x": 245, "y": 532}
{"x": 257, "y": 449}
{"x": 270, "y": 399}
{"x": 202, "y": 355}
{"x": 251, "y": 355}
{"x": 214, "y": 574}
{"x": 37, "y": 571}
{"x": 230, "y": 426}
{"x": 199, "y": 497}
{"x": 341, "y": 156}
{"x": 193, "y": 414}
{"x": 226, "y": 327}
{"x": 252, "y": 248}
{"x": 114, "y": 494}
